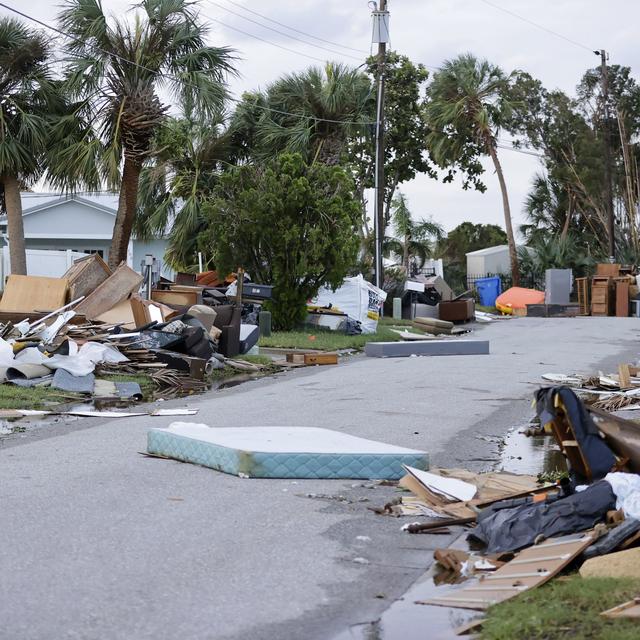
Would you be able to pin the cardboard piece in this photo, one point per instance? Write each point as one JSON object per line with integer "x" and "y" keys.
{"x": 112, "y": 291}
{"x": 26, "y": 294}
{"x": 85, "y": 274}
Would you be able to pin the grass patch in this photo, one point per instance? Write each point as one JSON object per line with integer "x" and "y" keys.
{"x": 326, "y": 340}
{"x": 14, "y": 397}
{"x": 265, "y": 361}
{"x": 563, "y": 610}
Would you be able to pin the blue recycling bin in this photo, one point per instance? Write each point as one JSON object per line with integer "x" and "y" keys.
{"x": 488, "y": 290}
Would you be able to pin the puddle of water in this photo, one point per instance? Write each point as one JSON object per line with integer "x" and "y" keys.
{"x": 530, "y": 454}
{"x": 405, "y": 619}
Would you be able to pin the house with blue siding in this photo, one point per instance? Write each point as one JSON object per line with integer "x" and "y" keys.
{"x": 81, "y": 223}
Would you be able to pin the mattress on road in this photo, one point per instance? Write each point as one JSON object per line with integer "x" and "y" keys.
{"x": 283, "y": 452}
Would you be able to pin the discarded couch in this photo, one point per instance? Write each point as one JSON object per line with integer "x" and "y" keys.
{"x": 503, "y": 530}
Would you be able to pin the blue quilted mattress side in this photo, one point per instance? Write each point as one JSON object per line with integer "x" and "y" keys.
{"x": 385, "y": 466}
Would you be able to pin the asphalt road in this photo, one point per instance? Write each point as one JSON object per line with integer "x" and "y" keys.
{"x": 99, "y": 542}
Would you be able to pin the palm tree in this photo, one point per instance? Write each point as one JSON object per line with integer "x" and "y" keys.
{"x": 118, "y": 67}
{"x": 314, "y": 113}
{"x": 29, "y": 101}
{"x": 413, "y": 240}
{"x": 467, "y": 109}
{"x": 187, "y": 157}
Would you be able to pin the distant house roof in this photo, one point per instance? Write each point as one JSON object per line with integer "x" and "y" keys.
{"x": 489, "y": 250}
{"x": 105, "y": 201}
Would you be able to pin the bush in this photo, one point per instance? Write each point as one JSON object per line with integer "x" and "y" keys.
{"x": 288, "y": 224}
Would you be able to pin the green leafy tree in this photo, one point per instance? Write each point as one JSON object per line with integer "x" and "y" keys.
{"x": 467, "y": 237}
{"x": 118, "y": 67}
{"x": 288, "y": 223}
{"x": 556, "y": 252}
{"x": 468, "y": 106}
{"x": 187, "y": 156}
{"x": 31, "y": 109}
{"x": 414, "y": 241}
{"x": 314, "y": 113}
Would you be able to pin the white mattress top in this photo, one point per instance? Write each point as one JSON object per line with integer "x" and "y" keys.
{"x": 283, "y": 439}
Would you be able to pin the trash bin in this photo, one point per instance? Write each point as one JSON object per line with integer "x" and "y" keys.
{"x": 488, "y": 290}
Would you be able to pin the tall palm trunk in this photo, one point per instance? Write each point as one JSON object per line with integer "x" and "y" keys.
{"x": 15, "y": 225}
{"x": 513, "y": 254}
{"x": 405, "y": 252}
{"x": 126, "y": 211}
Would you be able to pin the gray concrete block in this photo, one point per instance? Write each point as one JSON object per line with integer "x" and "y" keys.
{"x": 426, "y": 348}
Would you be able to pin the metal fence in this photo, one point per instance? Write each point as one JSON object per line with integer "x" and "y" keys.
{"x": 528, "y": 281}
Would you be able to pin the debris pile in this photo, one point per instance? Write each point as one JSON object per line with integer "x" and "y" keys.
{"x": 65, "y": 332}
{"x": 526, "y": 531}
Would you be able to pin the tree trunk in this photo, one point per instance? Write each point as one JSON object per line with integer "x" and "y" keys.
{"x": 15, "y": 225}
{"x": 513, "y": 254}
{"x": 126, "y": 211}
{"x": 405, "y": 253}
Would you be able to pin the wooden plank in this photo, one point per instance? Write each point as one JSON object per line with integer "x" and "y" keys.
{"x": 624, "y": 376}
{"x": 112, "y": 291}
{"x": 85, "y": 275}
{"x": 607, "y": 269}
{"x": 26, "y": 294}
{"x": 321, "y": 358}
{"x": 630, "y": 609}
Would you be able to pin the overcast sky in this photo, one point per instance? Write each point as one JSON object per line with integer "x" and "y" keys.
{"x": 428, "y": 31}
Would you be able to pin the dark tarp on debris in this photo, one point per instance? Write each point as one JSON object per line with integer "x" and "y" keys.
{"x": 594, "y": 449}
{"x": 513, "y": 529}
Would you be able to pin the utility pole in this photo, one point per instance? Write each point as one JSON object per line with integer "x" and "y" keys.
{"x": 608, "y": 190}
{"x": 381, "y": 37}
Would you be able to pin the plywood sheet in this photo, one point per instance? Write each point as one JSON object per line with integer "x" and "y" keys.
{"x": 112, "y": 291}
{"x": 27, "y": 294}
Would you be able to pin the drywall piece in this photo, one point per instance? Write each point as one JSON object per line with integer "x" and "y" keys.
{"x": 112, "y": 291}
{"x": 122, "y": 314}
{"x": 283, "y": 452}
{"x": 450, "y": 488}
{"x": 426, "y": 348}
{"x": 174, "y": 412}
{"x": 33, "y": 293}
{"x": 531, "y": 568}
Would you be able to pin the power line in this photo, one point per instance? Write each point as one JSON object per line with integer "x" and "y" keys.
{"x": 304, "y": 33}
{"x": 273, "y": 44}
{"x": 538, "y": 26}
{"x": 282, "y": 33}
{"x": 171, "y": 76}
{"x": 522, "y": 151}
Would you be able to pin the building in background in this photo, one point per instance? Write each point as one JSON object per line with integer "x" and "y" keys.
{"x": 74, "y": 224}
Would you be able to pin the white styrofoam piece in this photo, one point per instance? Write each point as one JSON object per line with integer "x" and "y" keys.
{"x": 284, "y": 439}
{"x": 449, "y": 487}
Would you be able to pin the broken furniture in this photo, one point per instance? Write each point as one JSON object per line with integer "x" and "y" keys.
{"x": 457, "y": 310}
{"x": 283, "y": 452}
{"x": 602, "y": 296}
{"x": 426, "y": 348}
